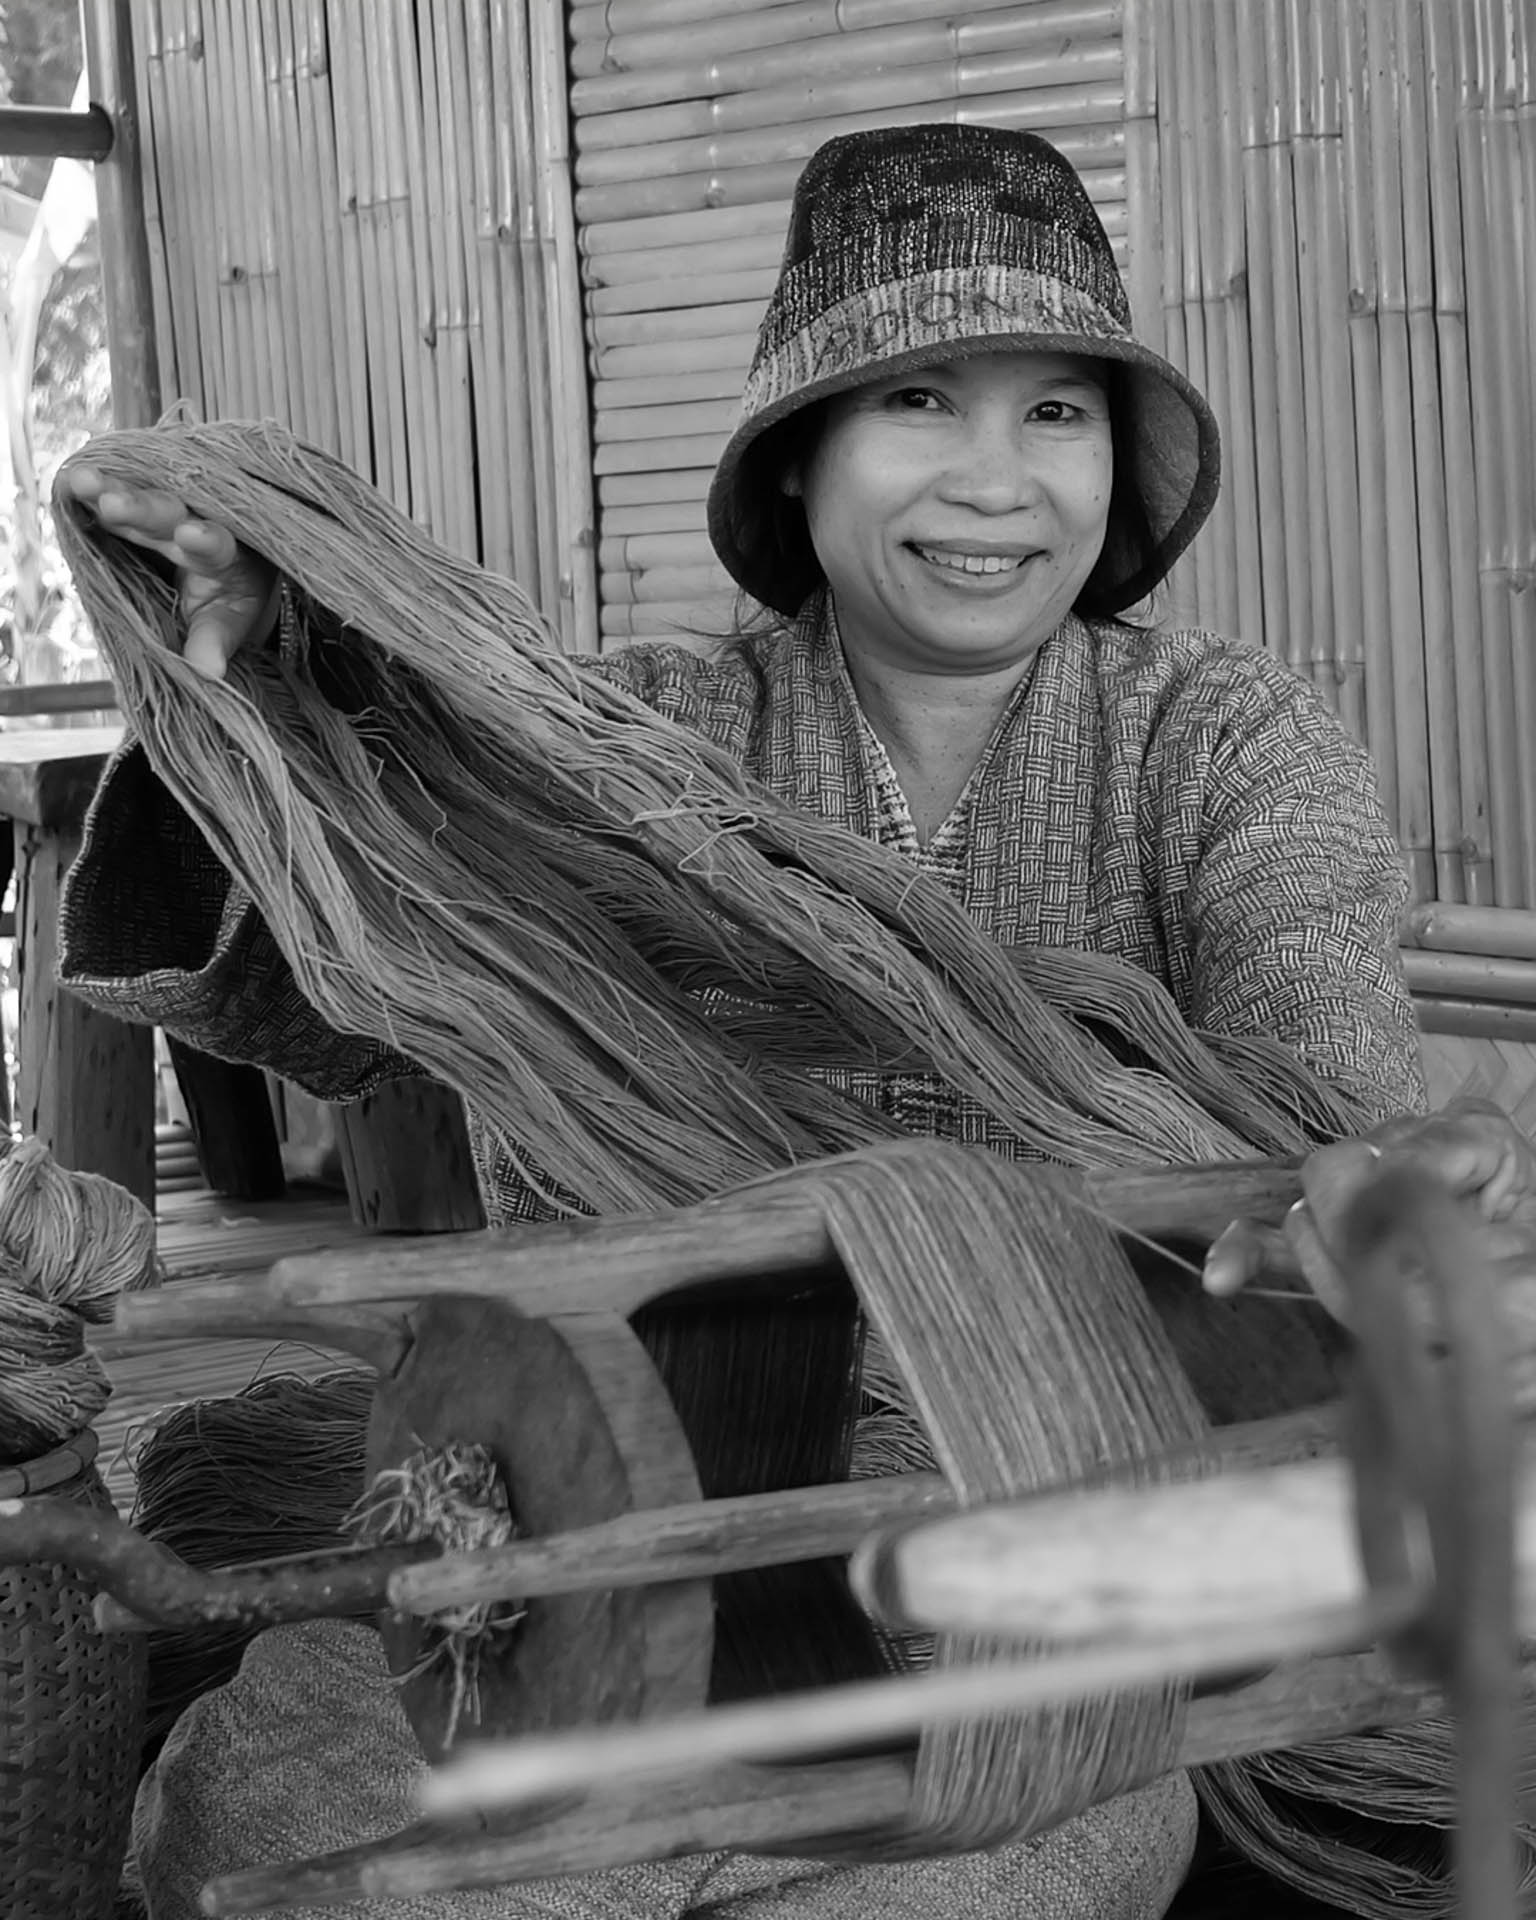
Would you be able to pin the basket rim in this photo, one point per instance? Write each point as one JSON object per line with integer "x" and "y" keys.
{"x": 63, "y": 1463}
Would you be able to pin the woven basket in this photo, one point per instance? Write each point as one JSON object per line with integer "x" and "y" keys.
{"x": 71, "y": 1720}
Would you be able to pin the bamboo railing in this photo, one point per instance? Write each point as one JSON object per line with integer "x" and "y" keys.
{"x": 1347, "y": 199}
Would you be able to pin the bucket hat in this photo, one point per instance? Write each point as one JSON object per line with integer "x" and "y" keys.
{"x": 913, "y": 245}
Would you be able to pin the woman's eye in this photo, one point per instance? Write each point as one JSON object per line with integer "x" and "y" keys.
{"x": 1053, "y": 412}
{"x": 914, "y": 399}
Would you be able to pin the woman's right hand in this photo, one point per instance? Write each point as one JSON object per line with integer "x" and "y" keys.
{"x": 227, "y": 594}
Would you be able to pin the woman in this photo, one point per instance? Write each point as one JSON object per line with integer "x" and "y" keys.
{"x": 956, "y": 469}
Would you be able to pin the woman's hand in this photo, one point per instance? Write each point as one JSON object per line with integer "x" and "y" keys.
{"x": 1471, "y": 1147}
{"x": 228, "y": 595}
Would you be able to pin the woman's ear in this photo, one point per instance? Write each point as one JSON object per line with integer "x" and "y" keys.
{"x": 791, "y": 482}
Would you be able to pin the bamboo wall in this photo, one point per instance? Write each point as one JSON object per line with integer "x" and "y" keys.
{"x": 360, "y": 225}
{"x": 1349, "y": 268}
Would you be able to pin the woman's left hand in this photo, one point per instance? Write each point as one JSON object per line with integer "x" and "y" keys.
{"x": 1470, "y": 1147}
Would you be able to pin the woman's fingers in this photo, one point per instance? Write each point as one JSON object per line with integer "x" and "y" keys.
{"x": 228, "y": 597}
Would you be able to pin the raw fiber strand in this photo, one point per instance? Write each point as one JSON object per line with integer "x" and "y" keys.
{"x": 1051, "y": 1377}
{"x": 70, "y": 1243}
{"x": 512, "y": 873}
{"x": 256, "y": 1475}
{"x": 1318, "y": 1818}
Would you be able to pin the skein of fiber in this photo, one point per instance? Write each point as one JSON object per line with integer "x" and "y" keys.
{"x": 585, "y": 919}
{"x": 70, "y": 1243}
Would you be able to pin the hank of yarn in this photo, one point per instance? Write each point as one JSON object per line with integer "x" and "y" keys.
{"x": 70, "y": 1243}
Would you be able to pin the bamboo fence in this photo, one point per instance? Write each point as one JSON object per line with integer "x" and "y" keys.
{"x": 360, "y": 224}
{"x": 1348, "y": 197}
{"x": 691, "y": 121}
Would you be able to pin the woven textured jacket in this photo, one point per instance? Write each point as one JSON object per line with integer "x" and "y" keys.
{"x": 1178, "y": 801}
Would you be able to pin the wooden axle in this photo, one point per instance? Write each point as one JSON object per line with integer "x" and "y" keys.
{"x": 772, "y": 1235}
{"x": 764, "y": 1807}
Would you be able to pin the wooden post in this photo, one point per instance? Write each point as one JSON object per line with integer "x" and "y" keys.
{"x": 405, "y": 1154}
{"x": 86, "y": 1081}
{"x": 127, "y": 285}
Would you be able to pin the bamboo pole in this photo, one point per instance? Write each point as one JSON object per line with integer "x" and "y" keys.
{"x": 664, "y": 421}
{"x": 342, "y": 357}
{"x": 1476, "y": 1019}
{"x": 703, "y": 225}
{"x": 292, "y": 219}
{"x": 700, "y": 67}
{"x": 1335, "y": 382}
{"x": 952, "y": 71}
{"x": 1181, "y": 586}
{"x": 136, "y": 308}
{"x": 383, "y": 449}
{"x": 211, "y": 396}
{"x": 707, "y": 289}
{"x": 1183, "y": 181}
{"x": 176, "y": 328}
{"x": 1415, "y": 818}
{"x": 1510, "y": 982}
{"x": 512, "y": 68}
{"x": 1504, "y": 932}
{"x": 1256, "y": 137}
{"x": 1279, "y": 185}
{"x": 437, "y": 194}
{"x": 730, "y": 353}
{"x": 1042, "y": 109}
{"x": 1450, "y": 306}
{"x": 733, "y": 320}
{"x": 667, "y": 516}
{"x": 508, "y": 476}
{"x": 476, "y": 471}
{"x": 742, "y": 184}
{"x": 1505, "y": 40}
{"x": 576, "y": 608}
{"x": 1226, "y": 277}
{"x": 681, "y": 484}
{"x": 746, "y": 253}
{"x": 701, "y": 626}
{"x": 642, "y": 550}
{"x": 665, "y": 586}
{"x": 1376, "y": 638}
{"x": 656, "y": 456}
{"x": 1141, "y": 189}
{"x": 209, "y": 75}
{"x": 1425, "y": 421}
{"x": 1489, "y": 401}
{"x": 1203, "y": 118}
{"x": 1318, "y": 655}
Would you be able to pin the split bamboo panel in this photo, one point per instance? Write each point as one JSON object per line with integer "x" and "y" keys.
{"x": 360, "y": 224}
{"x": 691, "y": 122}
{"x": 1346, "y": 197}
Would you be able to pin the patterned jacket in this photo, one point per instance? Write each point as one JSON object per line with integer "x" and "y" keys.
{"x": 1176, "y": 800}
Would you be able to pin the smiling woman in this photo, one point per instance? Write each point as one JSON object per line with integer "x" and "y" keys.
{"x": 957, "y": 472}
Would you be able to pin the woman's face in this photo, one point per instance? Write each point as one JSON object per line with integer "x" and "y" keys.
{"x": 958, "y": 511}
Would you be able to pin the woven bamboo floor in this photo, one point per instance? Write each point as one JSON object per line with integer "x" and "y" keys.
{"x": 203, "y": 1238}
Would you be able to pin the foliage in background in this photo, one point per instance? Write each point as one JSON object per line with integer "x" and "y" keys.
{"x": 71, "y": 390}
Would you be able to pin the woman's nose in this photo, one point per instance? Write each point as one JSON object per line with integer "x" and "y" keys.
{"x": 992, "y": 470}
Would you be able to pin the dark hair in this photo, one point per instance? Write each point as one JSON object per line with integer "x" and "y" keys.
{"x": 781, "y": 533}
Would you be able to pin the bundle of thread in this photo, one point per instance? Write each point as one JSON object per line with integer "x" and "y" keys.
{"x": 70, "y": 1243}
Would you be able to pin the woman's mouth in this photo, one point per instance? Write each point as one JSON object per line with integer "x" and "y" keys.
{"x": 984, "y": 566}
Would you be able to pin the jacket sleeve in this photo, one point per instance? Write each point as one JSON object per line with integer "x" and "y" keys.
{"x": 1298, "y": 892}
{"x": 153, "y": 929}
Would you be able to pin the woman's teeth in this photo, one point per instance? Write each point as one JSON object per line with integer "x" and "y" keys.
{"x": 970, "y": 562}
